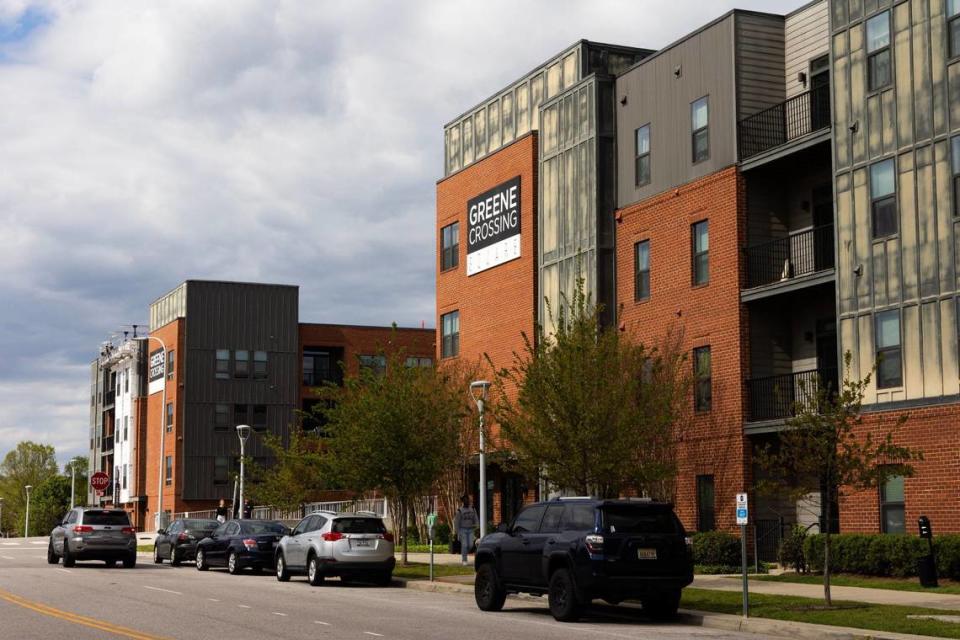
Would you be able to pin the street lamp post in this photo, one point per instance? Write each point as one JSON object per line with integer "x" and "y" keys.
{"x": 163, "y": 430}
{"x": 243, "y": 432}
{"x": 478, "y": 389}
{"x": 73, "y": 483}
{"x": 26, "y": 525}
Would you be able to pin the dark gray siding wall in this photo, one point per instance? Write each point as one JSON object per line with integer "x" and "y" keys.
{"x": 759, "y": 62}
{"x": 911, "y": 121}
{"x": 655, "y": 95}
{"x": 235, "y": 316}
{"x": 806, "y": 37}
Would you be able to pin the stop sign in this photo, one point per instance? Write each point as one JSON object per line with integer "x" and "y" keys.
{"x": 100, "y": 481}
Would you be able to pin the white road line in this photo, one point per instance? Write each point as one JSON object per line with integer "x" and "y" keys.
{"x": 277, "y": 613}
{"x": 326, "y": 624}
{"x": 371, "y": 633}
{"x": 38, "y": 542}
{"x": 8, "y": 557}
{"x": 10, "y": 544}
{"x": 65, "y": 570}
{"x": 41, "y": 557}
{"x": 243, "y": 606}
{"x": 213, "y": 600}
{"x": 164, "y": 590}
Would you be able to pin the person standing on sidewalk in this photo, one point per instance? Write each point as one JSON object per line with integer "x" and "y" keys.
{"x": 222, "y": 511}
{"x": 464, "y": 522}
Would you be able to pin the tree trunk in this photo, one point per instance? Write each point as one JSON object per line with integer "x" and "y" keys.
{"x": 826, "y": 548}
{"x": 403, "y": 509}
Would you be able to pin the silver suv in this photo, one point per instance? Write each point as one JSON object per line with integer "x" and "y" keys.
{"x": 353, "y": 546}
{"x": 94, "y": 534}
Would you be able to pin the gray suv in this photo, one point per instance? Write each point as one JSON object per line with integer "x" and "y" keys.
{"x": 94, "y": 534}
{"x": 349, "y": 545}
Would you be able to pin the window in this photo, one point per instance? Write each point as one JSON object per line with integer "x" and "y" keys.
{"x": 702, "y": 392}
{"x": 377, "y": 364}
{"x": 641, "y": 269}
{"x": 418, "y": 361}
{"x": 700, "y": 126}
{"x": 700, "y": 234}
{"x": 450, "y": 328}
{"x": 578, "y": 517}
{"x": 221, "y": 470}
{"x": 450, "y": 246}
{"x": 223, "y": 364}
{"x": 126, "y": 472}
{"x": 240, "y": 414}
{"x": 126, "y": 380}
{"x": 171, "y": 363}
{"x": 955, "y": 161}
{"x": 953, "y": 27}
{"x": 168, "y": 471}
{"x": 321, "y": 365}
{"x": 889, "y": 365}
{"x": 883, "y": 198}
{"x": 551, "y": 520}
{"x": 126, "y": 424}
{"x": 706, "y": 505}
{"x": 878, "y": 51}
{"x": 529, "y": 519}
{"x": 259, "y": 417}
{"x": 169, "y": 417}
{"x": 260, "y": 365}
{"x": 221, "y": 417}
{"x": 241, "y": 363}
{"x": 892, "y": 518}
{"x": 642, "y": 155}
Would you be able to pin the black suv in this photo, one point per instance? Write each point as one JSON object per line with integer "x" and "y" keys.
{"x": 578, "y": 549}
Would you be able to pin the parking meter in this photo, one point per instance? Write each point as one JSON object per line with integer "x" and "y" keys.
{"x": 926, "y": 531}
{"x": 431, "y": 522}
{"x": 927, "y": 565}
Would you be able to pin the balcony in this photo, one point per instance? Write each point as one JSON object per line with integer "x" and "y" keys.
{"x": 778, "y": 397}
{"x": 782, "y": 123}
{"x": 784, "y": 259}
{"x": 107, "y": 444}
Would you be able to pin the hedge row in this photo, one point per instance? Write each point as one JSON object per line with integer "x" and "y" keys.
{"x": 716, "y": 548}
{"x": 882, "y": 554}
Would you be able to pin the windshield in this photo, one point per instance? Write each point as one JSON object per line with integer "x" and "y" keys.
{"x": 637, "y": 519}
{"x": 108, "y": 518}
{"x": 358, "y": 525}
{"x": 203, "y": 525}
{"x": 255, "y": 528}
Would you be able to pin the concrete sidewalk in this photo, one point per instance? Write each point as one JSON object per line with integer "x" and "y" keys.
{"x": 438, "y": 558}
{"x": 856, "y": 594}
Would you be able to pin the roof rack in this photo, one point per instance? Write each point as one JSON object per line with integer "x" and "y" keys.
{"x": 575, "y": 498}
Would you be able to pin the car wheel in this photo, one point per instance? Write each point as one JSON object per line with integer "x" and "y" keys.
{"x": 68, "y": 559}
{"x": 156, "y": 555}
{"x": 202, "y": 561}
{"x": 283, "y": 574}
{"x": 563, "y": 597}
{"x": 175, "y": 558}
{"x": 110, "y": 563}
{"x": 487, "y": 588}
{"x": 232, "y": 567}
{"x": 663, "y": 606}
{"x": 51, "y": 554}
{"x": 314, "y": 575}
{"x": 130, "y": 561}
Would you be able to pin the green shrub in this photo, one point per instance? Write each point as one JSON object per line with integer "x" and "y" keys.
{"x": 716, "y": 548}
{"x": 882, "y": 554}
{"x": 790, "y": 553}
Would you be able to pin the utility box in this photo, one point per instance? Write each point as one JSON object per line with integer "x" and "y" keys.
{"x": 927, "y": 565}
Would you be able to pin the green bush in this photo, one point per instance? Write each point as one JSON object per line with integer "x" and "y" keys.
{"x": 716, "y": 548}
{"x": 882, "y": 554}
{"x": 790, "y": 553}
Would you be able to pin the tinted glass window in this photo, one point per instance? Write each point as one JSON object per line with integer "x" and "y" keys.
{"x": 637, "y": 519}
{"x": 232, "y": 528}
{"x": 200, "y": 525}
{"x": 578, "y": 517}
{"x": 254, "y": 527}
{"x": 109, "y": 518}
{"x": 529, "y": 519}
{"x": 358, "y": 525}
{"x": 221, "y": 530}
{"x": 318, "y": 524}
{"x": 303, "y": 526}
{"x": 551, "y": 519}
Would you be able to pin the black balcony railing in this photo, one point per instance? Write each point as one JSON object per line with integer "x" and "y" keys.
{"x": 796, "y": 255}
{"x": 781, "y": 123}
{"x": 777, "y": 397}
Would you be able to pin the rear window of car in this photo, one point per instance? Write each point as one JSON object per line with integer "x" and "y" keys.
{"x": 256, "y": 528}
{"x": 202, "y": 525}
{"x": 108, "y": 518}
{"x": 637, "y": 519}
{"x": 359, "y": 525}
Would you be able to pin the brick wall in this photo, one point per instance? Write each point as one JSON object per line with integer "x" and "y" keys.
{"x": 710, "y": 443}
{"x": 173, "y": 336}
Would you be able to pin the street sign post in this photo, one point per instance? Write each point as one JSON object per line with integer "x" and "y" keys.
{"x": 431, "y": 522}
{"x": 100, "y": 481}
{"x": 742, "y": 519}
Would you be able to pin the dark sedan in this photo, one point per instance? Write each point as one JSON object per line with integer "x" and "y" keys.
{"x": 239, "y": 544}
{"x": 178, "y": 542}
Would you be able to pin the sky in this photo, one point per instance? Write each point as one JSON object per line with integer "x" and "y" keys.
{"x": 296, "y": 142}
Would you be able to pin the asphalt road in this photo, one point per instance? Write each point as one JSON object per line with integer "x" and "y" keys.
{"x": 38, "y": 600}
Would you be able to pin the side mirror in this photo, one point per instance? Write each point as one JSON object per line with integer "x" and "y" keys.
{"x": 161, "y": 532}
{"x": 503, "y": 527}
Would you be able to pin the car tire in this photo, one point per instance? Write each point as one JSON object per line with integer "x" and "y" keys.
{"x": 283, "y": 573}
{"x": 68, "y": 559}
{"x": 314, "y": 575}
{"x": 175, "y": 558}
{"x": 488, "y": 591}
{"x": 52, "y": 557}
{"x": 201, "y": 561}
{"x": 130, "y": 561}
{"x": 156, "y": 555}
{"x": 562, "y": 597}
{"x": 232, "y": 567}
{"x": 111, "y": 563}
{"x": 663, "y": 606}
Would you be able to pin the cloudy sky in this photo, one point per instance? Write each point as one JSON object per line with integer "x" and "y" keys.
{"x": 142, "y": 143}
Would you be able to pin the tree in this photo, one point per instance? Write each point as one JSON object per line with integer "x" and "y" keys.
{"x": 594, "y": 411}
{"x": 392, "y": 431}
{"x": 29, "y": 464}
{"x": 49, "y": 502}
{"x": 296, "y": 475}
{"x": 825, "y": 447}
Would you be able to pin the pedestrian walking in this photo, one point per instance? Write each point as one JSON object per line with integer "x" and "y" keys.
{"x": 464, "y": 522}
{"x": 222, "y": 511}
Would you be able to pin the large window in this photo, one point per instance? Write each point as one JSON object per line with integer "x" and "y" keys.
{"x": 883, "y": 198}
{"x": 706, "y": 504}
{"x": 169, "y": 417}
{"x": 700, "y": 240}
{"x": 878, "y": 51}
{"x": 419, "y": 361}
{"x": 641, "y": 270}
{"x": 126, "y": 424}
{"x": 259, "y": 417}
{"x": 450, "y": 246}
{"x": 221, "y": 470}
{"x": 377, "y": 364}
{"x": 221, "y": 417}
{"x": 260, "y": 365}
{"x": 223, "y": 364}
{"x": 450, "y": 334}
{"x": 168, "y": 470}
{"x": 642, "y": 159}
{"x": 955, "y": 162}
{"x": 892, "y": 516}
{"x": 240, "y": 414}
{"x": 171, "y": 363}
{"x": 321, "y": 365}
{"x": 700, "y": 127}
{"x": 953, "y": 26}
{"x": 241, "y": 363}
{"x": 889, "y": 358}
{"x": 703, "y": 379}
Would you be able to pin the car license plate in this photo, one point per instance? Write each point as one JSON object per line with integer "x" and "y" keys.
{"x": 646, "y": 554}
{"x": 362, "y": 542}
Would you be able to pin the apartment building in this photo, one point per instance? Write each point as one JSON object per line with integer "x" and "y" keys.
{"x": 773, "y": 191}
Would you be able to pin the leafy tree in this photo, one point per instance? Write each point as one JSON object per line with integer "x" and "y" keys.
{"x": 29, "y": 464}
{"x": 48, "y": 504}
{"x": 82, "y": 480}
{"x": 297, "y": 473}
{"x": 393, "y": 431}
{"x": 594, "y": 411}
{"x": 826, "y": 446}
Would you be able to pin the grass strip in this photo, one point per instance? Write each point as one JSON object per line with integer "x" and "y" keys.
{"x": 875, "y": 617}
{"x": 417, "y": 571}
{"x": 867, "y": 582}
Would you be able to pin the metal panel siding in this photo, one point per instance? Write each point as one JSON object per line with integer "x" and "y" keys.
{"x": 806, "y": 37}
{"x": 759, "y": 63}
{"x": 656, "y": 96}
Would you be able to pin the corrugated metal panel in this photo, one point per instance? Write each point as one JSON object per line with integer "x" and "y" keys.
{"x": 806, "y": 37}
{"x": 759, "y": 62}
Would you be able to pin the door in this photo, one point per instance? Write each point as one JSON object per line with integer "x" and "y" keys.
{"x": 164, "y": 541}
{"x": 820, "y": 93}
{"x": 515, "y": 550}
{"x": 539, "y": 542}
{"x": 823, "y": 227}
{"x": 827, "y": 363}
{"x": 293, "y": 548}
{"x": 217, "y": 549}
